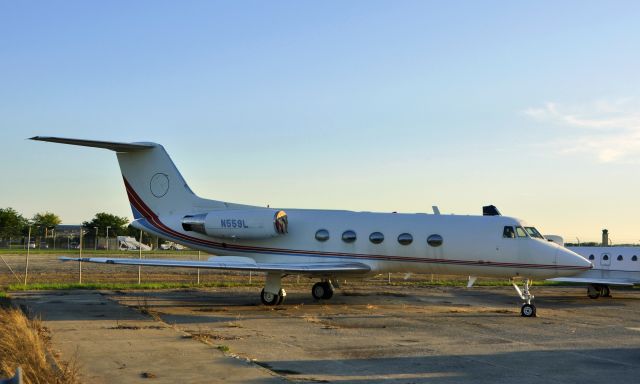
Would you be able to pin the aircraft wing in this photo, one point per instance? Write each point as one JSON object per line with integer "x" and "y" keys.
{"x": 235, "y": 263}
{"x": 586, "y": 280}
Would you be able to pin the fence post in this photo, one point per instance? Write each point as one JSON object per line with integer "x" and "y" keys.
{"x": 26, "y": 266}
{"x": 140, "y": 257}
{"x": 198, "y": 270}
{"x": 80, "y": 261}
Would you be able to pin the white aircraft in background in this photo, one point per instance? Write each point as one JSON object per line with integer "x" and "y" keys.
{"x": 328, "y": 244}
{"x": 615, "y": 266}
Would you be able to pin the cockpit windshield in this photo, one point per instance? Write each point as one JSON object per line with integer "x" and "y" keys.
{"x": 534, "y": 233}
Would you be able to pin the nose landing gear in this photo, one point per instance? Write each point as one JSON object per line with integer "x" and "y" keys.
{"x": 527, "y": 309}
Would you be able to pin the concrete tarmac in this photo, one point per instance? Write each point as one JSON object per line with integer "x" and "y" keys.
{"x": 381, "y": 334}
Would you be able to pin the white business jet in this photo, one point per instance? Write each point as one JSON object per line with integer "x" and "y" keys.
{"x": 328, "y": 244}
{"x": 612, "y": 266}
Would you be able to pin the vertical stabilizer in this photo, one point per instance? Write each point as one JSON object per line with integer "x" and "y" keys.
{"x": 154, "y": 185}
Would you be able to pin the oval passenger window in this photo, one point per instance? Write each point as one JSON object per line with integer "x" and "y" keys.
{"x": 348, "y": 236}
{"x": 434, "y": 240}
{"x": 376, "y": 237}
{"x": 322, "y": 235}
{"x": 405, "y": 239}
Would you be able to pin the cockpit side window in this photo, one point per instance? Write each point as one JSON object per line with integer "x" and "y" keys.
{"x": 508, "y": 233}
{"x": 521, "y": 232}
{"x": 534, "y": 232}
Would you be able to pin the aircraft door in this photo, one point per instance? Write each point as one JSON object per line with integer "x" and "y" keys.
{"x": 605, "y": 260}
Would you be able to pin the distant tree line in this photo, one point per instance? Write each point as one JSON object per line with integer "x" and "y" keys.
{"x": 14, "y": 225}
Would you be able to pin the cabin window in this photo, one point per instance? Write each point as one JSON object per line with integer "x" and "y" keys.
{"x": 634, "y": 258}
{"x": 322, "y": 235}
{"x": 348, "y": 236}
{"x": 619, "y": 258}
{"x": 520, "y": 232}
{"x": 605, "y": 257}
{"x": 376, "y": 237}
{"x": 508, "y": 232}
{"x": 434, "y": 240}
{"x": 592, "y": 257}
{"x": 405, "y": 239}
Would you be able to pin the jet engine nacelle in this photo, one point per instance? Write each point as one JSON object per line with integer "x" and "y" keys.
{"x": 238, "y": 223}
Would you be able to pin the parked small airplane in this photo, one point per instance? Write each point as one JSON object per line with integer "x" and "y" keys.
{"x": 328, "y": 244}
{"x": 612, "y": 266}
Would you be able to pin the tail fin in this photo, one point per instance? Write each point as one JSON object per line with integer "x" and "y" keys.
{"x": 154, "y": 185}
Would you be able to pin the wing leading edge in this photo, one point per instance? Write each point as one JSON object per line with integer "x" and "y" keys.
{"x": 307, "y": 268}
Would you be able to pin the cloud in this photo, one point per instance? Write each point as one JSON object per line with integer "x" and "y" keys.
{"x": 608, "y": 130}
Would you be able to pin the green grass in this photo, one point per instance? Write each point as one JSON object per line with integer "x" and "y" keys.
{"x": 3, "y": 295}
{"x": 223, "y": 348}
{"x": 35, "y": 252}
{"x": 120, "y": 286}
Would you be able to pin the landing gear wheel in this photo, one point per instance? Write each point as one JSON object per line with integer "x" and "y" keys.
{"x": 269, "y": 298}
{"x": 528, "y": 310}
{"x": 318, "y": 291}
{"x": 593, "y": 291}
{"x": 605, "y": 292}
{"x": 281, "y": 295}
{"x": 328, "y": 292}
{"x": 322, "y": 290}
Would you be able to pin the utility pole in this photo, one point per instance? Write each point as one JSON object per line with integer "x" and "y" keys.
{"x": 108, "y": 226}
{"x": 96, "y": 245}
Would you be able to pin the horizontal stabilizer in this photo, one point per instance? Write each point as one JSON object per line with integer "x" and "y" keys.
{"x": 586, "y": 280}
{"x": 307, "y": 268}
{"x": 114, "y": 146}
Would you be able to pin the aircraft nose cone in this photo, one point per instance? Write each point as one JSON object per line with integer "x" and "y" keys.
{"x": 572, "y": 259}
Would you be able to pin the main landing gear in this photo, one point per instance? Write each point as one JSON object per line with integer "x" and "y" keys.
{"x": 527, "y": 309}
{"x": 273, "y": 294}
{"x": 322, "y": 290}
{"x": 269, "y": 298}
{"x": 596, "y": 290}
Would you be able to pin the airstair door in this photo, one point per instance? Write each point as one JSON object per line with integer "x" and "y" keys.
{"x": 605, "y": 260}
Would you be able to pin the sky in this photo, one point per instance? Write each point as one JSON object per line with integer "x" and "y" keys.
{"x": 362, "y": 105}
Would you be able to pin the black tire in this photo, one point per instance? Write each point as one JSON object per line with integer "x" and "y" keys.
{"x": 605, "y": 291}
{"x": 269, "y": 298}
{"x": 528, "y": 310}
{"x": 318, "y": 291}
{"x": 281, "y": 295}
{"x": 328, "y": 292}
{"x": 593, "y": 291}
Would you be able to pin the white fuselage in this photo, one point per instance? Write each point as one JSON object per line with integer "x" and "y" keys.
{"x": 612, "y": 263}
{"x": 471, "y": 245}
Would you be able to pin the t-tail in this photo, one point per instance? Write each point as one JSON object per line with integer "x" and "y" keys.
{"x": 154, "y": 185}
